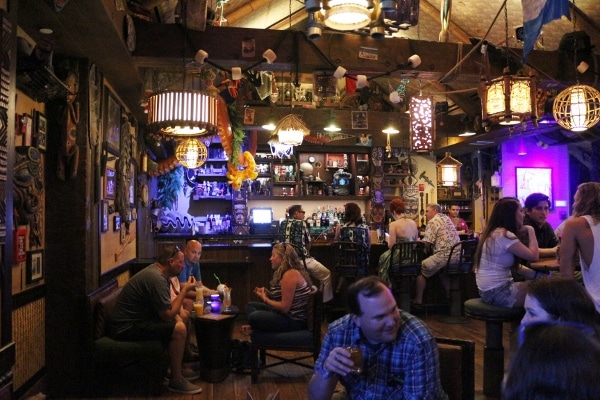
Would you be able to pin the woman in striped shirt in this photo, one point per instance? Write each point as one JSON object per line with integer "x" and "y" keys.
{"x": 284, "y": 303}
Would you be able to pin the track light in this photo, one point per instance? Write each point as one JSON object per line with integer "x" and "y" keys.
{"x": 331, "y": 124}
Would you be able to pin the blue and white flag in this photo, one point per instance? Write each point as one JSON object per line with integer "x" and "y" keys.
{"x": 537, "y": 13}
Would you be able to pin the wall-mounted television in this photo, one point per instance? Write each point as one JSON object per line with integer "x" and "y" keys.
{"x": 533, "y": 180}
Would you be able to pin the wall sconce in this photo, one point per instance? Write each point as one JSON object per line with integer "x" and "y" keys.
{"x": 422, "y": 127}
{"x": 522, "y": 151}
{"x": 331, "y": 124}
{"x": 270, "y": 122}
{"x": 191, "y": 153}
{"x": 390, "y": 129}
{"x": 449, "y": 171}
{"x": 496, "y": 180}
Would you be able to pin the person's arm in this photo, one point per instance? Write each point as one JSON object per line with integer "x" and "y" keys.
{"x": 547, "y": 252}
{"x": 530, "y": 252}
{"x": 320, "y": 387}
{"x": 337, "y": 233}
{"x": 568, "y": 246}
{"x": 392, "y": 235}
{"x": 173, "y": 312}
{"x": 288, "y": 283}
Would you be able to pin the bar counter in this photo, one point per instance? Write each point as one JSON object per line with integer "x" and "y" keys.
{"x": 242, "y": 261}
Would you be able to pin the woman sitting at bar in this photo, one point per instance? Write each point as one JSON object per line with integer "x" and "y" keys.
{"x": 495, "y": 255}
{"x": 284, "y": 304}
{"x": 559, "y": 299}
{"x": 355, "y": 230}
{"x": 402, "y": 229}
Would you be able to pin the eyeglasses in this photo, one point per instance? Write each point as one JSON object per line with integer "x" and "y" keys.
{"x": 583, "y": 328}
{"x": 177, "y": 250}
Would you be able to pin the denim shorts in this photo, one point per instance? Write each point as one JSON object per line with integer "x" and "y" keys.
{"x": 502, "y": 296}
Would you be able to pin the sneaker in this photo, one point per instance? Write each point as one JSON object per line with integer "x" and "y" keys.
{"x": 184, "y": 387}
{"x": 187, "y": 373}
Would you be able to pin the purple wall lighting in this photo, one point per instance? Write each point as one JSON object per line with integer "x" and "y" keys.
{"x": 555, "y": 158}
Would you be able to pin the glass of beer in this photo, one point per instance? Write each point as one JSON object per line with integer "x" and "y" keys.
{"x": 199, "y": 308}
{"x": 357, "y": 358}
{"x": 227, "y": 299}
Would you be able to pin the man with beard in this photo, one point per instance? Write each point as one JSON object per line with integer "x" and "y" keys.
{"x": 399, "y": 353}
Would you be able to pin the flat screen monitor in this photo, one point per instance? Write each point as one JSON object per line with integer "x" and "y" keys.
{"x": 261, "y": 215}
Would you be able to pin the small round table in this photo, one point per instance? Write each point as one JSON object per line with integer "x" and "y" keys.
{"x": 214, "y": 332}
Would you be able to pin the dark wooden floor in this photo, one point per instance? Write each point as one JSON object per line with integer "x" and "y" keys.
{"x": 291, "y": 380}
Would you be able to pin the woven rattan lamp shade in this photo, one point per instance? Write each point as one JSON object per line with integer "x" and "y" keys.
{"x": 577, "y": 108}
{"x": 191, "y": 153}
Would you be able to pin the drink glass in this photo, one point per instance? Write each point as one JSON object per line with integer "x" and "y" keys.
{"x": 357, "y": 358}
{"x": 227, "y": 299}
{"x": 199, "y": 308}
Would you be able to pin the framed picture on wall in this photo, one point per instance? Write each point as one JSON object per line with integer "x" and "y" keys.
{"x": 110, "y": 183}
{"x": 112, "y": 123}
{"x": 35, "y": 266}
{"x": 104, "y": 216}
{"x": 359, "y": 120}
{"x": 533, "y": 180}
{"x": 42, "y": 130}
{"x": 20, "y": 248}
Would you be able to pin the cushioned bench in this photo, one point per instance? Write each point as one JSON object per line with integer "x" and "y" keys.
{"x": 122, "y": 368}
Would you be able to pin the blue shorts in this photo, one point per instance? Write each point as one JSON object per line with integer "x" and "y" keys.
{"x": 501, "y": 296}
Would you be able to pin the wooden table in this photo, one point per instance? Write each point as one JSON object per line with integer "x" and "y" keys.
{"x": 214, "y": 335}
{"x": 545, "y": 264}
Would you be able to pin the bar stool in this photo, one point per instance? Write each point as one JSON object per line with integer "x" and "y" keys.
{"x": 493, "y": 351}
{"x": 460, "y": 263}
{"x": 405, "y": 265}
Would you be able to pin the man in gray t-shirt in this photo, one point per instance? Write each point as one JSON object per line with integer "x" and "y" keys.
{"x": 145, "y": 311}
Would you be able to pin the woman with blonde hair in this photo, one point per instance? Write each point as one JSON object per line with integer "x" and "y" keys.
{"x": 283, "y": 306}
{"x": 582, "y": 234}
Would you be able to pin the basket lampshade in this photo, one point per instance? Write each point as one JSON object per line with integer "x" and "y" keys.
{"x": 577, "y": 108}
{"x": 191, "y": 153}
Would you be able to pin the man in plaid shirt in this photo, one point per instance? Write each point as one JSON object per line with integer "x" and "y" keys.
{"x": 400, "y": 356}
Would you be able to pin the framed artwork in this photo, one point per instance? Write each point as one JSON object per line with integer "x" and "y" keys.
{"x": 42, "y": 131}
{"x": 35, "y": 266}
{"x": 132, "y": 185}
{"x": 110, "y": 183}
{"x": 359, "y": 120}
{"x": 116, "y": 223}
{"x": 249, "y": 116}
{"x": 104, "y": 216}
{"x": 533, "y": 180}
{"x": 20, "y": 245}
{"x": 112, "y": 124}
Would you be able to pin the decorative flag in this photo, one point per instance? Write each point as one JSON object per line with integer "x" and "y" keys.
{"x": 537, "y": 13}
